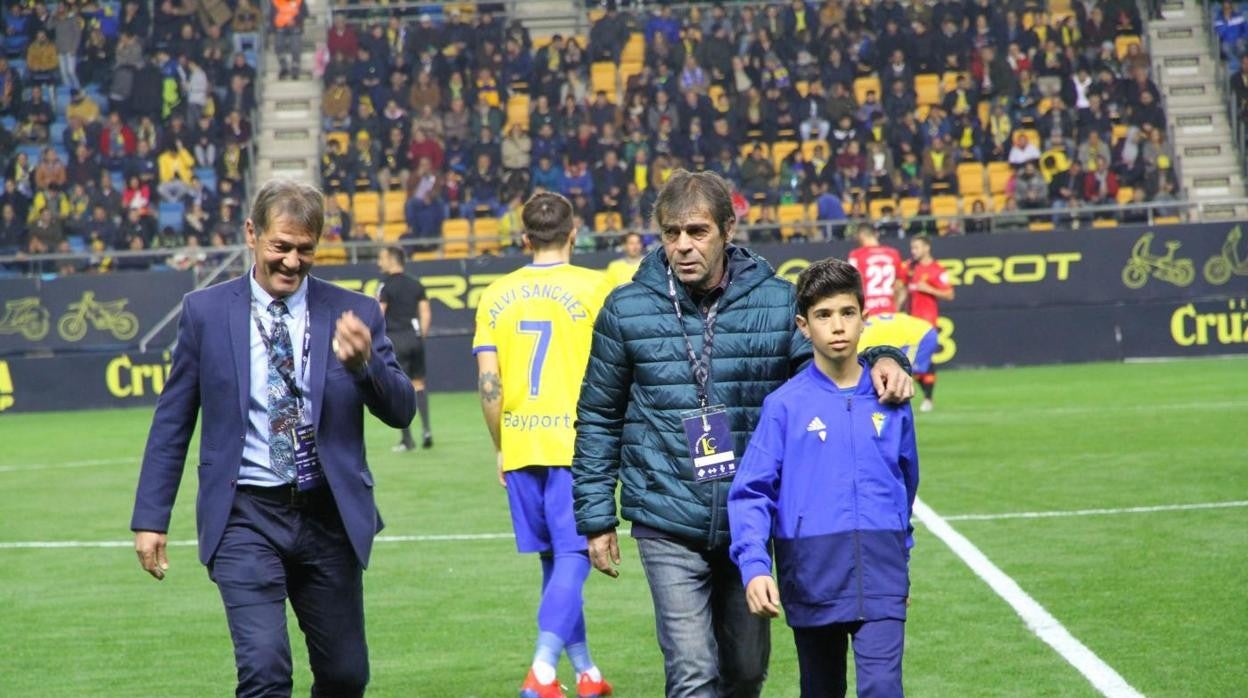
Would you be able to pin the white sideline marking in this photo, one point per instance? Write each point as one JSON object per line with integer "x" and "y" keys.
{"x": 1039, "y": 621}
{"x": 70, "y": 464}
{"x": 1096, "y": 512}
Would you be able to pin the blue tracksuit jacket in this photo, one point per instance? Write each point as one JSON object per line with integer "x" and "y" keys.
{"x": 830, "y": 478}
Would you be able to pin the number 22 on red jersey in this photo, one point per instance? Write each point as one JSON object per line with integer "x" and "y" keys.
{"x": 881, "y": 269}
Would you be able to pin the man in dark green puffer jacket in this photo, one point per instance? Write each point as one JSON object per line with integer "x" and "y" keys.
{"x": 645, "y": 376}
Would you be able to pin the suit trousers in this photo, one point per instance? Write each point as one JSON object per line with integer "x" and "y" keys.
{"x": 273, "y": 551}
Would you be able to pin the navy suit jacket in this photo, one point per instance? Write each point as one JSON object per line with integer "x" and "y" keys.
{"x": 211, "y": 374}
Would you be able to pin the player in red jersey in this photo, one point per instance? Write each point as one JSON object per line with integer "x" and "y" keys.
{"x": 883, "y": 274}
{"x": 928, "y": 285}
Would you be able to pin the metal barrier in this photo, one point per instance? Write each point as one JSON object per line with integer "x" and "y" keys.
{"x": 797, "y": 232}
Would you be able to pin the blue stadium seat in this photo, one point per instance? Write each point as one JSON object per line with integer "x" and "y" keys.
{"x": 57, "y": 131}
{"x": 10, "y": 122}
{"x": 32, "y": 151}
{"x": 170, "y": 214}
{"x": 76, "y": 243}
{"x": 119, "y": 180}
{"x": 208, "y": 176}
{"x": 18, "y": 64}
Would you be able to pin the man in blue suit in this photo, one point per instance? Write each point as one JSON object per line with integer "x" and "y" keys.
{"x": 279, "y": 366}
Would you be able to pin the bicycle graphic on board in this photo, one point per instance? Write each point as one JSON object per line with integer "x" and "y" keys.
{"x": 25, "y": 316}
{"x": 1143, "y": 264}
{"x": 109, "y": 316}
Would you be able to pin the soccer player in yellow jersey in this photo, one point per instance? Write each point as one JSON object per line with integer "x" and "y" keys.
{"x": 534, "y": 328}
{"x": 914, "y": 336}
{"x": 620, "y": 271}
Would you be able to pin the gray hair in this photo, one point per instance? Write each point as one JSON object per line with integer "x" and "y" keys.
{"x": 302, "y": 203}
{"x": 687, "y": 190}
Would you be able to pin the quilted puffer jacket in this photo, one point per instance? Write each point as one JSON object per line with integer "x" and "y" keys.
{"x": 639, "y": 382}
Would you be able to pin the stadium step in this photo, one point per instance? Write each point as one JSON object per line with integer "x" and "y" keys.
{"x": 1213, "y": 186}
{"x": 290, "y": 142}
{"x": 292, "y": 168}
{"x": 1180, "y": 9}
{"x": 292, "y": 89}
{"x": 547, "y": 17}
{"x": 273, "y": 66}
{"x": 1198, "y": 122}
{"x": 1189, "y": 67}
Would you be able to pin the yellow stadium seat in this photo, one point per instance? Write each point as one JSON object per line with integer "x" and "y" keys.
{"x": 927, "y": 89}
{"x": 1040, "y": 226}
{"x": 392, "y": 231}
{"x": 944, "y": 207}
{"x": 541, "y": 42}
{"x": 984, "y": 111}
{"x": 342, "y": 138}
{"x": 596, "y": 14}
{"x": 1104, "y": 223}
{"x": 634, "y": 49}
{"x": 949, "y": 80}
{"x": 999, "y": 173}
{"x": 487, "y": 240}
{"x": 366, "y": 208}
{"x": 862, "y": 86}
{"x": 781, "y": 150}
{"x": 755, "y": 214}
{"x": 786, "y": 215}
{"x": 909, "y": 206}
{"x": 1123, "y": 42}
{"x": 970, "y": 178}
{"x": 1059, "y": 7}
{"x": 876, "y": 207}
{"x": 627, "y": 70}
{"x": 455, "y": 233}
{"x": 393, "y": 205}
{"x": 422, "y": 256}
{"x": 1167, "y": 220}
{"x": 608, "y": 220}
{"x": 344, "y": 200}
{"x": 808, "y": 149}
{"x": 921, "y": 112}
{"x": 1045, "y": 104}
{"x": 602, "y": 78}
{"x": 330, "y": 253}
{"x": 998, "y": 202}
{"x": 1125, "y": 195}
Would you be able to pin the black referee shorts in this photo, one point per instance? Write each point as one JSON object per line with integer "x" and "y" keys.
{"x": 409, "y": 349}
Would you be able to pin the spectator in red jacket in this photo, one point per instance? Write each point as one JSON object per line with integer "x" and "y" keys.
{"x": 425, "y": 147}
{"x": 117, "y": 142}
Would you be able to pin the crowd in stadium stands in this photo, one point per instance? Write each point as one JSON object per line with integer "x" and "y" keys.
{"x": 832, "y": 110}
{"x": 1232, "y": 32}
{"x": 124, "y": 126}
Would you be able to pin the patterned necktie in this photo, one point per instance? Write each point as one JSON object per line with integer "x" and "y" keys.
{"x": 283, "y": 405}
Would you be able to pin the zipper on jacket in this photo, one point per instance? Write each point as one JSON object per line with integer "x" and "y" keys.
{"x": 798, "y": 533}
{"x": 853, "y": 452}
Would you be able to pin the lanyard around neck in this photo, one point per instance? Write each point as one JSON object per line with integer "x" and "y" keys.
{"x": 701, "y": 366}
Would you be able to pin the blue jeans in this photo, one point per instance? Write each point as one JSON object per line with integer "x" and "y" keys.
{"x": 712, "y": 646}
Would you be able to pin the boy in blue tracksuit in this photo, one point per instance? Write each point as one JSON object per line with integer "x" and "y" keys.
{"x": 829, "y": 478}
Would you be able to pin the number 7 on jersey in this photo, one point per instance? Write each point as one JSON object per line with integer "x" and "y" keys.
{"x": 543, "y": 330}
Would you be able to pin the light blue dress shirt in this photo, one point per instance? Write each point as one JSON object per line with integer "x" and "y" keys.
{"x": 255, "y": 466}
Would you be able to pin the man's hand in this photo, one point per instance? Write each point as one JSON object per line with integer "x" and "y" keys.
{"x": 604, "y": 553}
{"x": 150, "y": 547}
{"x": 353, "y": 343}
{"x": 762, "y": 596}
{"x": 891, "y": 381}
{"x": 501, "y": 480}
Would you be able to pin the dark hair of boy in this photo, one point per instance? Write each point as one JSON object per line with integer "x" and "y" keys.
{"x": 547, "y": 220}
{"x": 824, "y": 279}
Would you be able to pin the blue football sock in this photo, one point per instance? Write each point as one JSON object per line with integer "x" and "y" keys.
{"x": 562, "y": 599}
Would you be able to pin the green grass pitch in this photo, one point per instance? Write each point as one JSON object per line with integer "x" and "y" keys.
{"x": 1156, "y": 595}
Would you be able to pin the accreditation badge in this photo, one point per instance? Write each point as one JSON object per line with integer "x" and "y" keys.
{"x": 308, "y": 472}
{"x": 709, "y": 436}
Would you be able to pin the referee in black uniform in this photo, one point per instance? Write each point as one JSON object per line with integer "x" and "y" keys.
{"x": 408, "y": 314}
